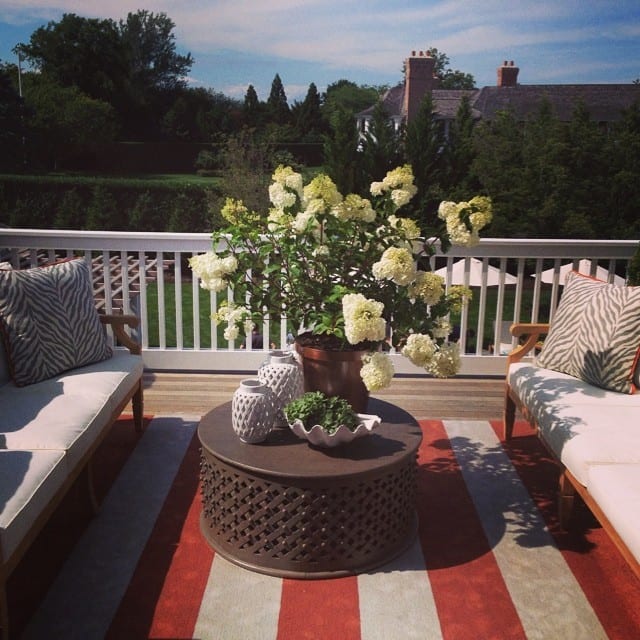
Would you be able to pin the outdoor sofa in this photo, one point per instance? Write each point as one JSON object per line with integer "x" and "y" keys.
{"x": 62, "y": 386}
{"x": 580, "y": 394}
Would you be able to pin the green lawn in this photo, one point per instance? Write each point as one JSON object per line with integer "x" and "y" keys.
{"x": 205, "y": 332}
{"x": 187, "y": 317}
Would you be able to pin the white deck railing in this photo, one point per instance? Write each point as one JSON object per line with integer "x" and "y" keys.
{"x": 177, "y": 334}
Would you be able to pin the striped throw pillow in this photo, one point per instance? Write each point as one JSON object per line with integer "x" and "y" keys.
{"x": 595, "y": 334}
{"x": 49, "y": 321}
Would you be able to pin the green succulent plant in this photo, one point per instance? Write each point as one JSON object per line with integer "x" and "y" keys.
{"x": 315, "y": 408}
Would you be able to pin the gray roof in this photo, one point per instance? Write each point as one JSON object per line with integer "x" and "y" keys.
{"x": 605, "y": 102}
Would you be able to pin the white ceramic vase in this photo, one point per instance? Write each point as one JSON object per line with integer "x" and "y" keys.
{"x": 253, "y": 409}
{"x": 283, "y": 375}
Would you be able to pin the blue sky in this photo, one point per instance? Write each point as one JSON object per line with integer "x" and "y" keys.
{"x": 240, "y": 42}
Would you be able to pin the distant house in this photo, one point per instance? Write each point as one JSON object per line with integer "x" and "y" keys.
{"x": 605, "y": 102}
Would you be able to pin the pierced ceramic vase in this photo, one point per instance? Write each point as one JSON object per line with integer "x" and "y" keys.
{"x": 283, "y": 375}
{"x": 253, "y": 409}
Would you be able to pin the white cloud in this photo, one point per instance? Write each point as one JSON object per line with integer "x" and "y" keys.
{"x": 257, "y": 38}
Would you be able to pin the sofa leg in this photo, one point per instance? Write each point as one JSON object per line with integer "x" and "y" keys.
{"x": 566, "y": 499}
{"x": 509, "y": 414}
{"x": 4, "y": 610}
{"x": 91, "y": 490}
{"x": 137, "y": 403}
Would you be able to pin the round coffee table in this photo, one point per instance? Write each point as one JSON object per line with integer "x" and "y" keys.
{"x": 285, "y": 508}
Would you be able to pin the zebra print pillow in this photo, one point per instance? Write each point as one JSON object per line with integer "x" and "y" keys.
{"x": 49, "y": 321}
{"x": 595, "y": 334}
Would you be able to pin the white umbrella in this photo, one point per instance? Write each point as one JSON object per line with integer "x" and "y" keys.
{"x": 584, "y": 266}
{"x": 475, "y": 273}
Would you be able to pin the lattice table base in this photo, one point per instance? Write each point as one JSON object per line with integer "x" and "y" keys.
{"x": 357, "y": 516}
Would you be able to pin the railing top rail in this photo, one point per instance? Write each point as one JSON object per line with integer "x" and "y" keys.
{"x": 160, "y": 241}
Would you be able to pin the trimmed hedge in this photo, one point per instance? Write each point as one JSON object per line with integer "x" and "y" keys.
{"x": 109, "y": 204}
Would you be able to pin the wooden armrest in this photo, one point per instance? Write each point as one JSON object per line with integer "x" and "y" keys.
{"x": 532, "y": 332}
{"x": 118, "y": 323}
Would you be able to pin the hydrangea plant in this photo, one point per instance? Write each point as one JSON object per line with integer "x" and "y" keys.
{"x": 349, "y": 272}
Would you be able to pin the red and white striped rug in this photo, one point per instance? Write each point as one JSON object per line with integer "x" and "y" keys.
{"x": 489, "y": 561}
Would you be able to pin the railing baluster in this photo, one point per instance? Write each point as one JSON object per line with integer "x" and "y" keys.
{"x": 162, "y": 308}
{"x": 144, "y": 310}
{"x": 177, "y": 283}
{"x": 195, "y": 308}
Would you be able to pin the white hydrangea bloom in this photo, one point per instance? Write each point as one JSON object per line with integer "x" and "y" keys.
{"x": 231, "y": 332}
{"x": 446, "y": 362}
{"x": 362, "y": 318}
{"x": 377, "y": 371}
{"x": 305, "y": 221}
{"x": 377, "y": 188}
{"x": 397, "y": 265}
{"x": 419, "y": 349}
{"x": 281, "y": 197}
{"x": 354, "y": 207}
{"x": 287, "y": 177}
{"x": 427, "y": 286}
{"x": 212, "y": 270}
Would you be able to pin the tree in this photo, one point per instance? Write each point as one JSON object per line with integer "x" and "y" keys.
{"x": 132, "y": 64}
{"x": 586, "y": 188}
{"x": 199, "y": 114}
{"x": 63, "y": 118}
{"x": 345, "y": 95}
{"x": 499, "y": 166}
{"x": 153, "y": 63}
{"x": 12, "y": 114}
{"x": 424, "y": 146}
{"x": 307, "y": 115}
{"x": 622, "y": 153}
{"x": 460, "y": 182}
{"x": 341, "y": 156}
{"x": 86, "y": 53}
{"x": 381, "y": 146}
{"x": 277, "y": 106}
{"x": 252, "y": 109}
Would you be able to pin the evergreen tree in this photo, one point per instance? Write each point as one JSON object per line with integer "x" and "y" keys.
{"x": 341, "y": 155}
{"x": 499, "y": 166}
{"x": 12, "y": 133}
{"x": 308, "y": 115}
{"x": 622, "y": 154}
{"x": 381, "y": 146}
{"x": 460, "y": 182}
{"x": 545, "y": 173}
{"x": 277, "y": 106}
{"x": 585, "y": 191}
{"x": 252, "y": 109}
{"x": 424, "y": 145}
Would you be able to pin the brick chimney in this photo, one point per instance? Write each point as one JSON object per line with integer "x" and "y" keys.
{"x": 508, "y": 75}
{"x": 419, "y": 79}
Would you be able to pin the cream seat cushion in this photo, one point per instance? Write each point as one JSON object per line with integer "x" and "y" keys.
{"x": 65, "y": 412}
{"x": 616, "y": 489}
{"x": 28, "y": 482}
{"x": 581, "y": 423}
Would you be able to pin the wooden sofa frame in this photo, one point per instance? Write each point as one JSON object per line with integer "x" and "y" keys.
{"x": 530, "y": 335}
{"x": 135, "y": 395}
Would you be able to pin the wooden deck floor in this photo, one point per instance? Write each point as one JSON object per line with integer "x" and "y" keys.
{"x": 461, "y": 398}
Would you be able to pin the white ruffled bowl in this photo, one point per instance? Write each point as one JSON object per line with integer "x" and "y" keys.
{"x": 319, "y": 437}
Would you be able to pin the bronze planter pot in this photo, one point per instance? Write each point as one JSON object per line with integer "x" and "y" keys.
{"x": 335, "y": 373}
